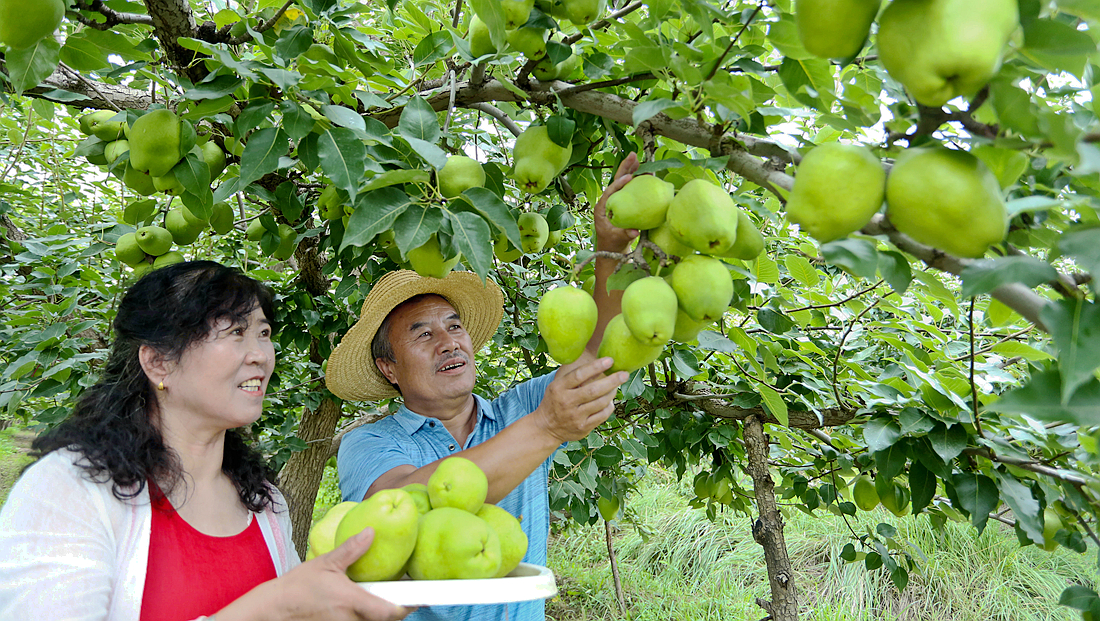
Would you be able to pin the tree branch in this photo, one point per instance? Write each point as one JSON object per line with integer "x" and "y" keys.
{"x": 112, "y": 17}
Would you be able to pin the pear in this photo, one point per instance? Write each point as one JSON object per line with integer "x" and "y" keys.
{"x": 428, "y": 259}
{"x": 169, "y": 258}
{"x": 168, "y": 183}
{"x": 104, "y": 125}
{"x": 288, "y": 239}
{"x": 531, "y": 42}
{"x": 837, "y": 189}
{"x": 154, "y": 240}
{"x": 553, "y": 238}
{"x": 88, "y": 121}
{"x": 505, "y": 251}
{"x": 834, "y": 28}
{"x": 330, "y": 204}
{"x": 459, "y": 174}
{"x": 138, "y": 181}
{"x": 183, "y": 226}
{"x": 703, "y": 287}
{"x": 679, "y": 176}
{"x": 221, "y": 218}
{"x": 535, "y": 142}
{"x": 649, "y": 310}
{"x": 666, "y": 241}
{"x": 513, "y": 541}
{"x": 749, "y": 243}
{"x": 533, "y": 175}
{"x": 942, "y": 49}
{"x": 946, "y": 199}
{"x": 687, "y": 329}
{"x": 583, "y": 12}
{"x": 516, "y": 12}
{"x": 533, "y": 231}
{"x": 128, "y": 251}
{"x": 155, "y": 142}
{"x": 628, "y": 352}
{"x": 214, "y": 158}
{"x": 480, "y": 42}
{"x": 566, "y": 320}
{"x": 702, "y": 215}
{"x": 114, "y": 150}
{"x": 640, "y": 204}
{"x": 322, "y": 535}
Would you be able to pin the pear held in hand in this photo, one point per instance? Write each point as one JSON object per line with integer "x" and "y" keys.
{"x": 566, "y": 321}
{"x": 393, "y": 515}
{"x": 946, "y": 199}
{"x": 640, "y": 204}
{"x": 837, "y": 189}
{"x": 628, "y": 352}
{"x": 454, "y": 544}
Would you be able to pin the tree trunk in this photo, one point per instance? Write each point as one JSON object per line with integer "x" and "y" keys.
{"x": 301, "y": 476}
{"x": 768, "y": 529}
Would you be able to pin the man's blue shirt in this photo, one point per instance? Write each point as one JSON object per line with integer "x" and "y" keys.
{"x": 407, "y": 438}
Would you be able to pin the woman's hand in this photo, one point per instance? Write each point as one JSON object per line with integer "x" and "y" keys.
{"x": 315, "y": 590}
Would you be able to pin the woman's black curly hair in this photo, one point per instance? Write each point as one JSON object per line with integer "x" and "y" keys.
{"x": 113, "y": 425}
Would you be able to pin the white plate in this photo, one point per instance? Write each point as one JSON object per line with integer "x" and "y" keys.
{"x": 526, "y": 582}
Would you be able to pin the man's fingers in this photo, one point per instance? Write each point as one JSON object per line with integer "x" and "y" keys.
{"x": 350, "y": 551}
{"x": 582, "y": 374}
{"x": 628, "y": 165}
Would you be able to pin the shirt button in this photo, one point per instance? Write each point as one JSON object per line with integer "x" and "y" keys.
{"x": 452, "y": 447}
{"x": 431, "y": 424}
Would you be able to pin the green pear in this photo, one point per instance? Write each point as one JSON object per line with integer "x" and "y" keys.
{"x": 288, "y": 241}
{"x": 589, "y": 285}
{"x": 168, "y": 183}
{"x": 666, "y": 241}
{"x": 687, "y": 329}
{"x": 834, "y": 28}
{"x": 649, "y": 310}
{"x": 114, "y": 150}
{"x": 155, "y": 142}
{"x": 641, "y": 203}
{"x": 154, "y": 240}
{"x": 566, "y": 320}
{"x": 106, "y": 127}
{"x": 221, "y": 218}
{"x": 214, "y": 158}
{"x": 140, "y": 182}
{"x": 628, "y": 352}
{"x": 505, "y": 251}
{"x": 322, "y": 535}
{"x": 419, "y": 493}
{"x": 942, "y": 49}
{"x": 513, "y": 541}
{"x": 142, "y": 269}
{"x": 24, "y": 23}
{"x": 702, "y": 215}
{"x": 516, "y": 12}
{"x": 138, "y": 211}
{"x": 255, "y": 230}
{"x": 184, "y": 229}
{"x": 90, "y": 120}
{"x": 703, "y": 287}
{"x": 169, "y": 258}
{"x": 480, "y": 42}
{"x": 553, "y": 239}
{"x": 533, "y": 231}
{"x": 535, "y": 143}
{"x": 393, "y": 515}
{"x": 458, "y": 482}
{"x": 583, "y": 12}
{"x": 428, "y": 259}
{"x": 533, "y": 175}
{"x": 531, "y": 42}
{"x": 454, "y": 544}
{"x": 554, "y": 8}
{"x": 946, "y": 199}
{"x": 128, "y": 251}
{"x": 330, "y": 204}
{"x": 837, "y": 189}
{"x": 749, "y": 243}
{"x": 459, "y": 174}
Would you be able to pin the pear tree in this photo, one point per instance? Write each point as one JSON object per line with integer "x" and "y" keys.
{"x": 928, "y": 338}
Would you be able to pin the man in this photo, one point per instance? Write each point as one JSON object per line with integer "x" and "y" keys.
{"x": 417, "y": 337}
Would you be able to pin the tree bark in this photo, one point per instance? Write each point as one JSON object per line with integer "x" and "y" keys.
{"x": 767, "y": 530}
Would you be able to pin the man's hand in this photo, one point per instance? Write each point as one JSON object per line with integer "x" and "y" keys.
{"x": 579, "y": 399}
{"x": 609, "y": 237}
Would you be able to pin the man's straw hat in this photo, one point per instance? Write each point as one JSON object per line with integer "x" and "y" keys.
{"x": 352, "y": 374}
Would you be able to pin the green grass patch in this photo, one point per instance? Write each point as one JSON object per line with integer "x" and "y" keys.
{"x": 14, "y": 444}
{"x": 674, "y": 563}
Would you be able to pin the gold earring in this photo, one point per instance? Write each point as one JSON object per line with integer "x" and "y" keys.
{"x": 160, "y": 386}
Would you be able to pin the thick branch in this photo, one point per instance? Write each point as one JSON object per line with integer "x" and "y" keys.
{"x": 112, "y": 17}
{"x": 95, "y": 94}
{"x": 173, "y": 20}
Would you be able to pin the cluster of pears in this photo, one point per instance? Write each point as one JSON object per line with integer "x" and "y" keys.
{"x": 937, "y": 49}
{"x": 868, "y": 494}
{"x": 529, "y": 39}
{"x": 944, "y": 198}
{"x": 710, "y": 487}
{"x": 288, "y": 239}
{"x": 440, "y": 531}
{"x": 150, "y": 247}
{"x": 23, "y": 24}
{"x": 538, "y": 159}
{"x": 695, "y": 226}
{"x": 147, "y": 152}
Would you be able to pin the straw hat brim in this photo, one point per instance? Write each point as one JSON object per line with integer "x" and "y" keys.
{"x": 352, "y": 374}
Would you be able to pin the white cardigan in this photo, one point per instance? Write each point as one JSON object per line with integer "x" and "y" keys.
{"x": 70, "y": 550}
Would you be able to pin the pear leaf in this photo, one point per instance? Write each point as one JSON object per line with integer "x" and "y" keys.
{"x": 471, "y": 236}
{"x": 985, "y": 275}
{"x": 374, "y": 212}
{"x": 341, "y": 154}
{"x": 1074, "y": 326}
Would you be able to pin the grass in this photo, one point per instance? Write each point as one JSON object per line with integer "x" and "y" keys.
{"x": 679, "y": 565}
{"x": 14, "y": 443}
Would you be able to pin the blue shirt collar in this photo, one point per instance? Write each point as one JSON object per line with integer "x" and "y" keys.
{"x": 411, "y": 422}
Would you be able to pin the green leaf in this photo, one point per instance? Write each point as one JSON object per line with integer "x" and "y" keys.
{"x": 1010, "y": 349}
{"x": 1075, "y": 327}
{"x": 27, "y": 68}
{"x": 773, "y": 403}
{"x": 978, "y": 496}
{"x": 765, "y": 269}
{"x": 419, "y": 121}
{"x": 985, "y": 275}
{"x": 194, "y": 174}
{"x": 773, "y": 321}
{"x": 397, "y": 177}
{"x": 1041, "y": 398}
{"x": 374, "y": 212}
{"x": 432, "y": 154}
{"x": 948, "y": 442}
{"x": 492, "y": 13}
{"x": 1025, "y": 508}
{"x": 712, "y": 341}
{"x": 494, "y": 210}
{"x": 650, "y": 108}
{"x": 900, "y": 577}
{"x": 1078, "y": 597}
{"x": 560, "y": 129}
{"x": 344, "y": 117}
{"x": 1084, "y": 246}
{"x": 881, "y": 433}
{"x": 1058, "y": 45}
{"x": 471, "y": 236}
{"x": 296, "y": 121}
{"x": 922, "y": 486}
{"x": 342, "y": 155}
{"x": 810, "y": 81}
{"x": 801, "y": 270}
{"x": 857, "y": 256}
{"x": 261, "y": 156}
{"x": 415, "y": 225}
{"x": 432, "y": 48}
{"x": 891, "y": 461}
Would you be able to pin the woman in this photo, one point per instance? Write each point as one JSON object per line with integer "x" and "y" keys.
{"x": 146, "y": 503}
